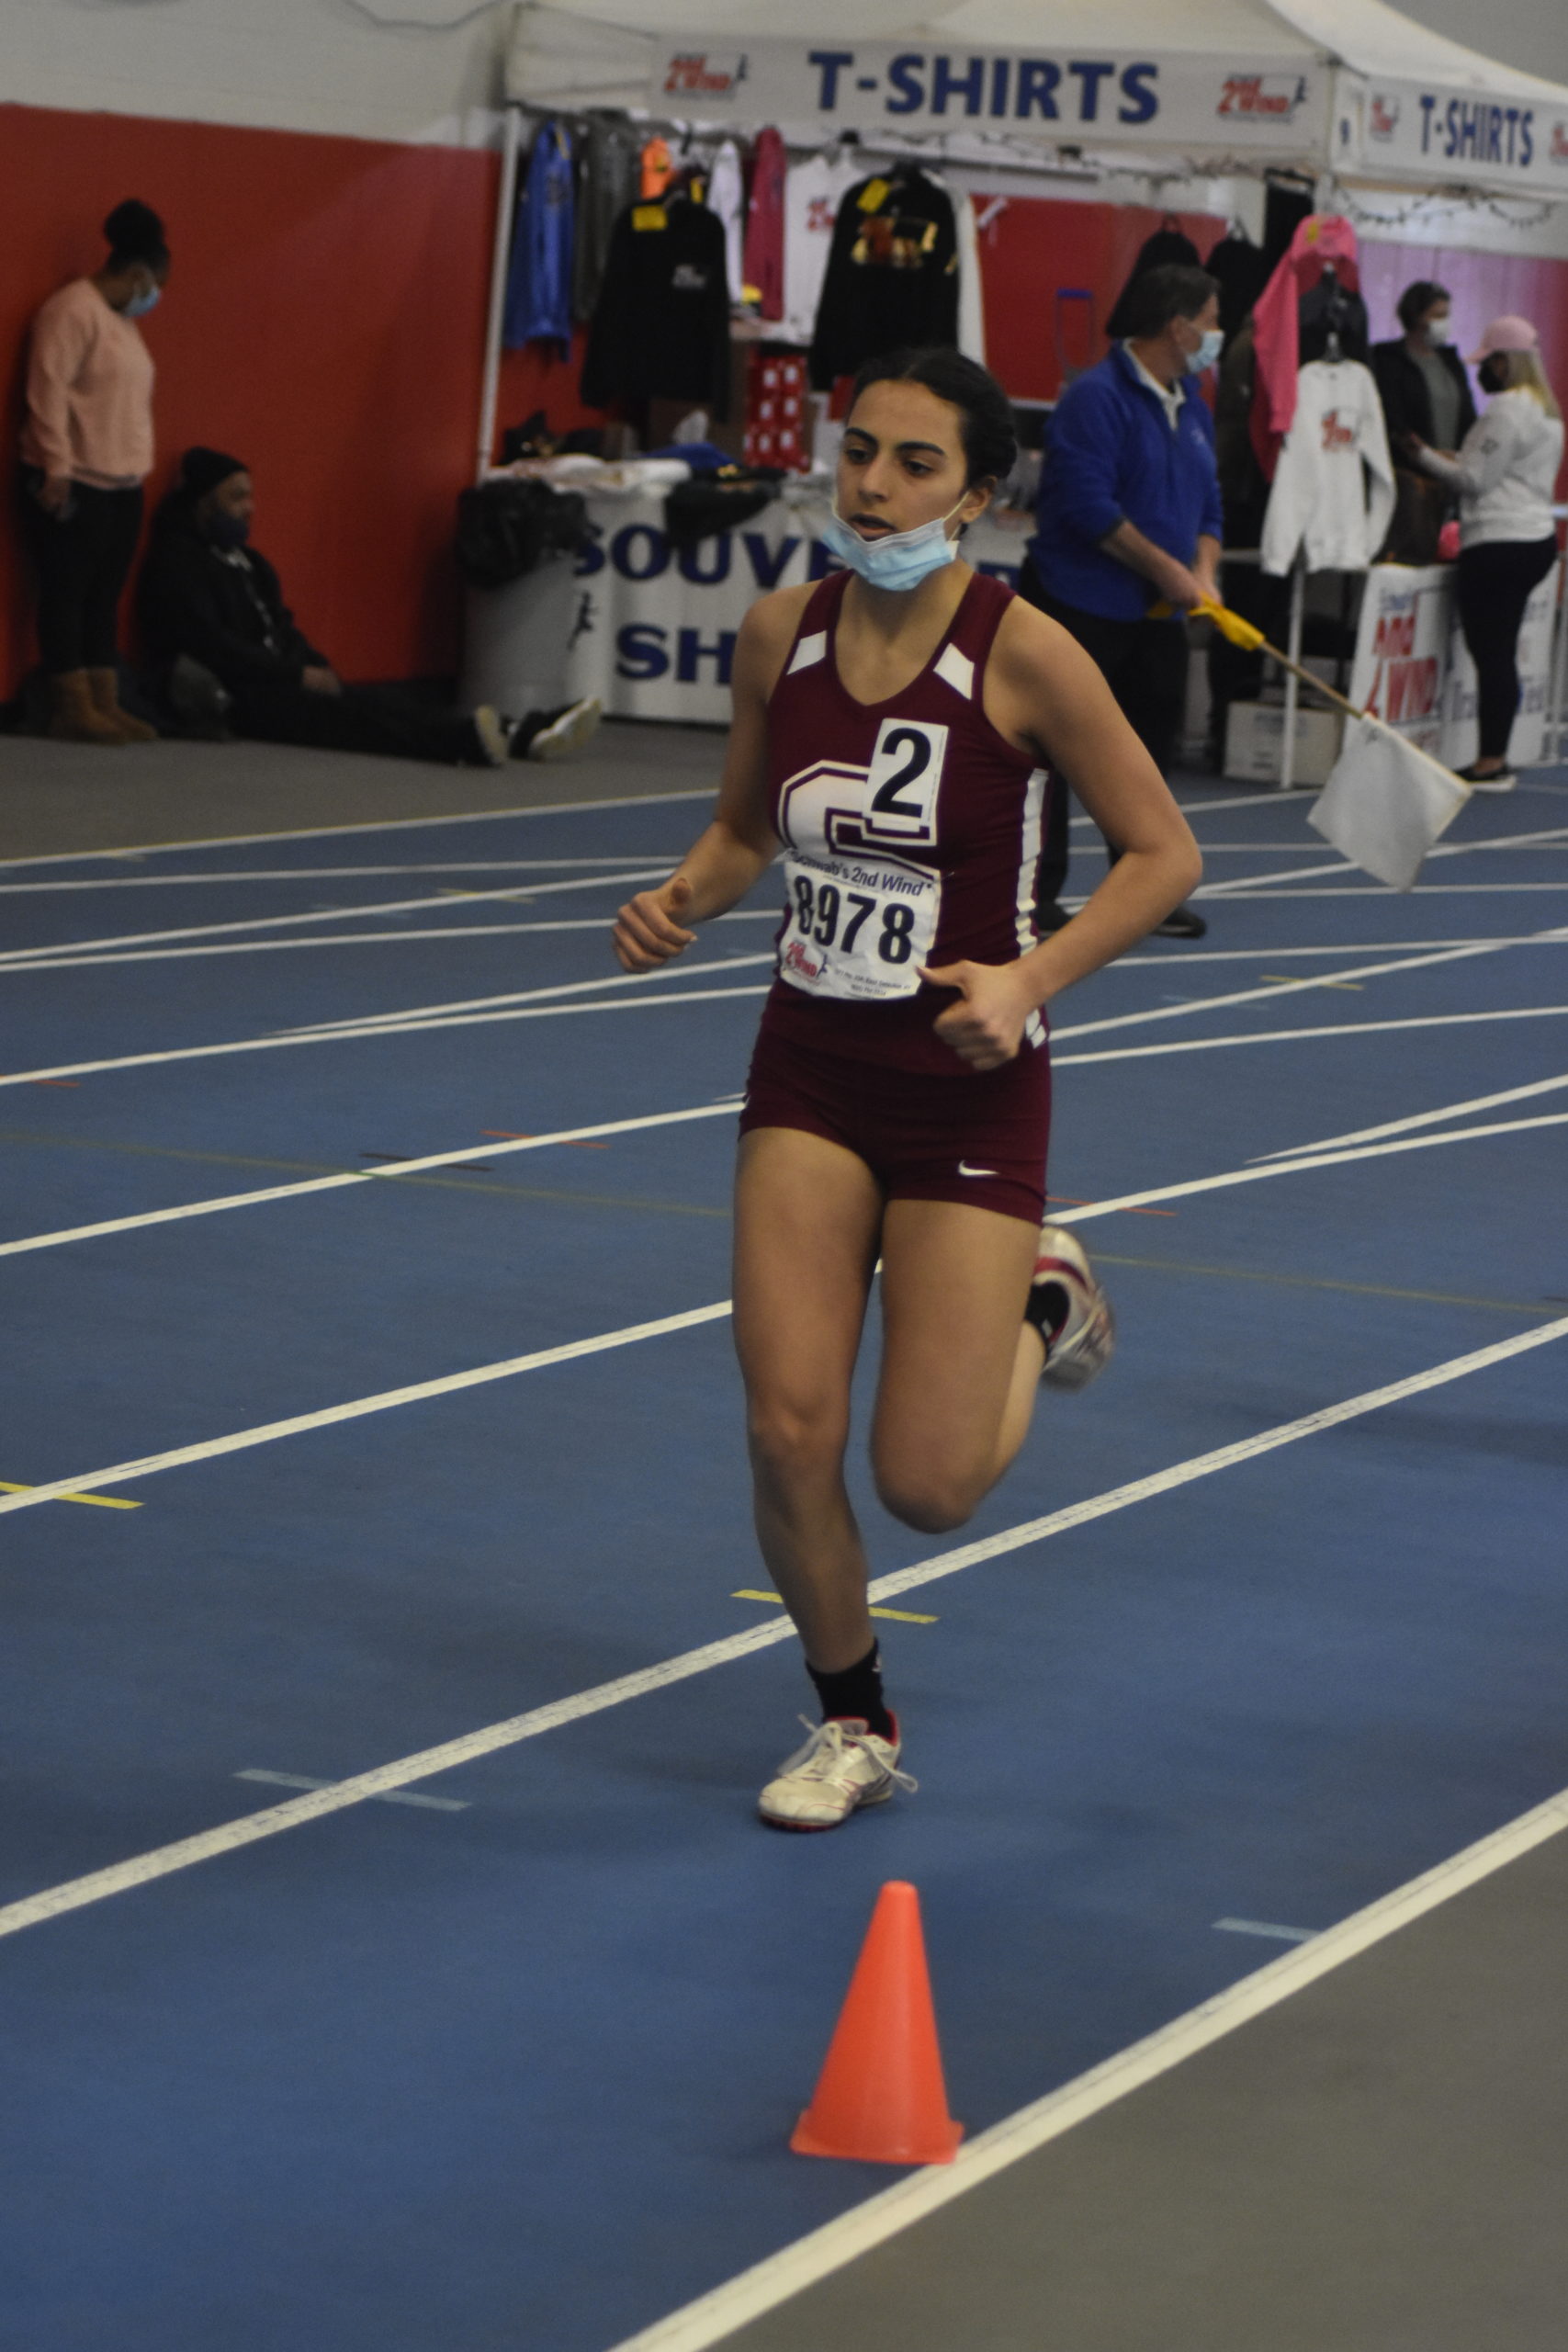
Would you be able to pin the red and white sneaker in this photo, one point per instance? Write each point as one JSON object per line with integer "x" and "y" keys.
{"x": 1070, "y": 1311}
{"x": 841, "y": 1766}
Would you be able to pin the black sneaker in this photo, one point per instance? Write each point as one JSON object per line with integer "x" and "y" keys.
{"x": 1494, "y": 780}
{"x": 1180, "y": 923}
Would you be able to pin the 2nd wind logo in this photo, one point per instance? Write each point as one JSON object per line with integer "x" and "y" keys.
{"x": 1558, "y": 151}
{"x": 1383, "y": 120}
{"x": 1273, "y": 95}
{"x": 698, "y": 73}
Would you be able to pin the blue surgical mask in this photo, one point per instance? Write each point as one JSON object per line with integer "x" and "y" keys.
{"x": 140, "y": 304}
{"x": 1207, "y": 354}
{"x": 901, "y": 560}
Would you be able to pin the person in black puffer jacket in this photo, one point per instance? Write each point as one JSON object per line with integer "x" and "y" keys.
{"x": 226, "y": 646}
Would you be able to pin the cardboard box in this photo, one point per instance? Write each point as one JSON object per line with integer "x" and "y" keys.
{"x": 1255, "y": 734}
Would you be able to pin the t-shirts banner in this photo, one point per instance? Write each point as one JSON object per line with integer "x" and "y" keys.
{"x": 1270, "y": 104}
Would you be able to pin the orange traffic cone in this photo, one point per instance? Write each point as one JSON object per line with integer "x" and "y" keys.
{"x": 880, "y": 2096}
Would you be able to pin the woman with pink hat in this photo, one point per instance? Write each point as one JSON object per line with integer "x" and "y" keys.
{"x": 1505, "y": 474}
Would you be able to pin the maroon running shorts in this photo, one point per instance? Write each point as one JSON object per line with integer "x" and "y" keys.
{"x": 979, "y": 1137}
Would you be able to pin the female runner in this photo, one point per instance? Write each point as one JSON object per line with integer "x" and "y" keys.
{"x": 896, "y": 727}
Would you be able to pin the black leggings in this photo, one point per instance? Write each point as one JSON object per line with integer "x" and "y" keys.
{"x": 1494, "y": 586}
{"x": 360, "y": 718}
{"x": 1144, "y": 665}
{"x": 82, "y": 561}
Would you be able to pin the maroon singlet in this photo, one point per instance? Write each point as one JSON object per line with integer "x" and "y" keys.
{"x": 912, "y": 833}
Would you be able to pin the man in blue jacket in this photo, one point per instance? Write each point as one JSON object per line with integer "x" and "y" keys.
{"x": 1129, "y": 517}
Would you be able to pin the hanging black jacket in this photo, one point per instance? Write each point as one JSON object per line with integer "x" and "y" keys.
{"x": 892, "y": 276}
{"x": 1406, "y": 402}
{"x": 662, "y": 323}
{"x": 224, "y": 610}
{"x": 1165, "y": 247}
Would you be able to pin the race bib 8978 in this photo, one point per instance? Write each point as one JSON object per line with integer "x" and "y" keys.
{"x": 861, "y": 922}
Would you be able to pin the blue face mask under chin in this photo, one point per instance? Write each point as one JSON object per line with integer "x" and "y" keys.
{"x": 900, "y": 559}
{"x": 140, "y": 304}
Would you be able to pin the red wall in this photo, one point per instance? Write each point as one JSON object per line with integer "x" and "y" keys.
{"x": 324, "y": 319}
{"x": 1037, "y": 246}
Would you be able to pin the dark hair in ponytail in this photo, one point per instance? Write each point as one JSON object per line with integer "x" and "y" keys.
{"x": 136, "y": 234}
{"x": 990, "y": 437}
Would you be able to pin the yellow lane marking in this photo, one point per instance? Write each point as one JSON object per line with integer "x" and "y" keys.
{"x": 1288, "y": 979}
{"x": 105, "y": 1502}
{"x": 904, "y": 1616}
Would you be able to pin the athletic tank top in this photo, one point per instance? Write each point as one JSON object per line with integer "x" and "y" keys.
{"x": 912, "y": 832}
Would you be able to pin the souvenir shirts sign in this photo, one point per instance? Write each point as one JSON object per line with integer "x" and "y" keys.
{"x": 1413, "y": 670}
{"x": 1074, "y": 97}
{"x": 657, "y": 624}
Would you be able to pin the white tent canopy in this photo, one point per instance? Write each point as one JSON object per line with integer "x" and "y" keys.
{"x": 1343, "y": 86}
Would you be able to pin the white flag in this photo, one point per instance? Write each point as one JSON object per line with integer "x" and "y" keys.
{"x": 1386, "y": 802}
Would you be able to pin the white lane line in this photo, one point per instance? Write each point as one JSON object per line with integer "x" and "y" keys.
{"x": 387, "y": 825}
{"x": 1250, "y": 1175}
{"x": 724, "y": 1108}
{"x": 1291, "y": 1037}
{"x": 417, "y": 1392}
{"x": 317, "y": 873}
{"x": 1269, "y": 994}
{"x": 716, "y": 2315}
{"x": 1266, "y": 1929}
{"x": 390, "y": 1796}
{"x": 140, "y": 1870}
{"x": 1276, "y": 989}
{"x": 120, "y": 1473}
{"x": 1424, "y": 1118}
{"x": 1384, "y": 890}
{"x": 460, "y": 932}
{"x": 412, "y": 1015}
{"x": 414, "y": 1028}
{"x": 30, "y": 958}
{"x": 1347, "y": 865}
{"x": 352, "y": 1032}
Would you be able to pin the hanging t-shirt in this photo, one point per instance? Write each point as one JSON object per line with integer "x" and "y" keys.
{"x": 726, "y": 198}
{"x": 892, "y": 274}
{"x": 1333, "y": 493}
{"x": 538, "y": 285}
{"x": 608, "y": 176}
{"x": 661, "y": 324}
{"x": 763, "y": 263}
{"x": 971, "y": 307}
{"x": 813, "y": 192}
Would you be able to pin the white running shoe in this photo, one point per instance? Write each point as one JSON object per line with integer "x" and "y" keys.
{"x": 1070, "y": 1312}
{"x": 841, "y": 1766}
{"x": 567, "y": 730}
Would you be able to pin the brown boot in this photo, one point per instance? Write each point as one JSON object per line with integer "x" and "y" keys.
{"x": 103, "y": 687}
{"x": 74, "y": 718}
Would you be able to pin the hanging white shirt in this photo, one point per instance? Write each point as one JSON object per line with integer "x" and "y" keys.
{"x": 727, "y": 196}
{"x": 971, "y": 307}
{"x": 1333, "y": 493}
{"x": 813, "y": 192}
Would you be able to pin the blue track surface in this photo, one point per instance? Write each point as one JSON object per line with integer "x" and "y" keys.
{"x": 522, "y": 2074}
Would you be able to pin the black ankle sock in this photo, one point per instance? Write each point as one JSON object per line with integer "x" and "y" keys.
{"x": 1048, "y": 1309}
{"x": 857, "y": 1690}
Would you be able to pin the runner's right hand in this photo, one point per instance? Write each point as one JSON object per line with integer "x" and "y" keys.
{"x": 648, "y": 933}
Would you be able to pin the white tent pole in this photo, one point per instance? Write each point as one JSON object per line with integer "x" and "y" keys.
{"x": 505, "y": 203}
{"x": 1292, "y": 684}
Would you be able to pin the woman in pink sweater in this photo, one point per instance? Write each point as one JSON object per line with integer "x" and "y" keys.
{"x": 87, "y": 449}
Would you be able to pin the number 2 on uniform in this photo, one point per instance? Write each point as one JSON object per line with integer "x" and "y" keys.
{"x": 903, "y": 781}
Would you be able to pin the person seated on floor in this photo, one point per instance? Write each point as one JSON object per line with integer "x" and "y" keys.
{"x": 230, "y": 656}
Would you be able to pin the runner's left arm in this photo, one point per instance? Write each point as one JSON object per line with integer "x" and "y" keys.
{"x": 1042, "y": 688}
